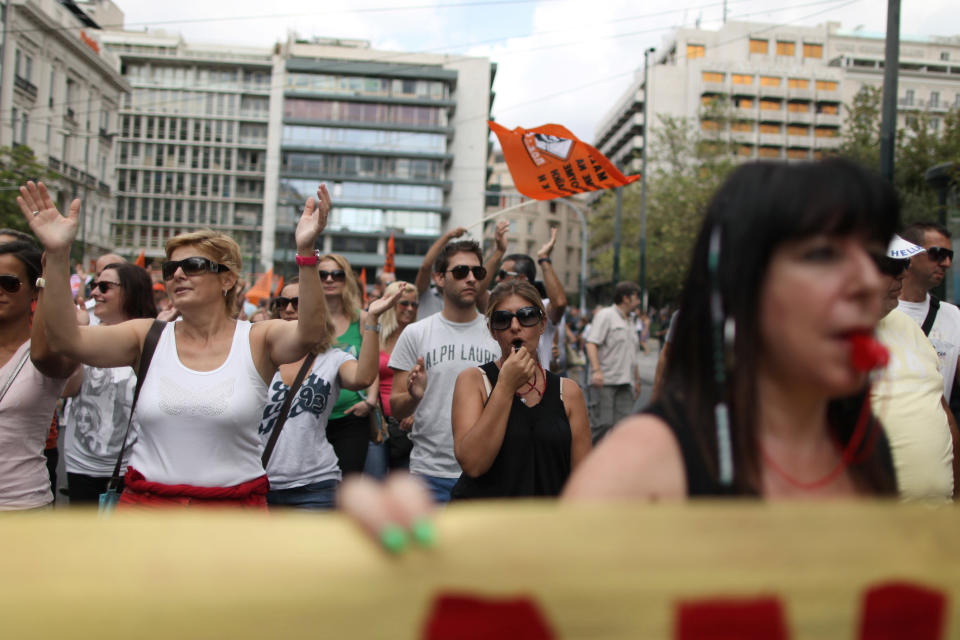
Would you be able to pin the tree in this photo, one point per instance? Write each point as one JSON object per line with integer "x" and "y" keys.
{"x": 688, "y": 161}
{"x": 17, "y": 165}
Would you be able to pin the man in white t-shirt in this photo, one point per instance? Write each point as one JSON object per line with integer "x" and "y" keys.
{"x": 429, "y": 356}
{"x": 927, "y": 271}
{"x": 907, "y": 396}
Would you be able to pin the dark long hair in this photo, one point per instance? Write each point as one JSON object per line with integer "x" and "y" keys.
{"x": 760, "y": 207}
{"x": 28, "y": 253}
{"x": 137, "y": 290}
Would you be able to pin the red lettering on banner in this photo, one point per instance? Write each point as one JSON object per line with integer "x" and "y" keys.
{"x": 472, "y": 618}
{"x": 731, "y": 619}
{"x": 901, "y": 610}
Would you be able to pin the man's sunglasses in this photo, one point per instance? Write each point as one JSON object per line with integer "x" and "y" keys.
{"x": 10, "y": 283}
{"x": 503, "y": 274}
{"x": 526, "y": 316}
{"x": 891, "y": 266}
{"x": 281, "y": 303}
{"x": 337, "y": 275}
{"x": 460, "y": 272}
{"x": 191, "y": 267}
{"x": 104, "y": 285}
{"x": 939, "y": 254}
{"x": 409, "y": 303}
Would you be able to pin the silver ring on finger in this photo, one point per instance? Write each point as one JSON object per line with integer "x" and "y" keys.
{"x": 36, "y": 213}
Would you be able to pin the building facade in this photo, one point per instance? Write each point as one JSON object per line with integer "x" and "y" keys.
{"x": 400, "y": 139}
{"x": 60, "y": 93}
{"x": 192, "y": 142}
{"x": 780, "y": 89}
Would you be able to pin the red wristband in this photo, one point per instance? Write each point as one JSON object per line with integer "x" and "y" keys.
{"x": 308, "y": 261}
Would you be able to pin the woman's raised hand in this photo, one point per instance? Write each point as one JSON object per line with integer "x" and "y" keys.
{"x": 55, "y": 232}
{"x": 313, "y": 220}
{"x": 377, "y": 307}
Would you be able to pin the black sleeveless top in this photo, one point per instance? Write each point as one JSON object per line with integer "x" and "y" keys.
{"x": 534, "y": 459}
{"x": 700, "y": 478}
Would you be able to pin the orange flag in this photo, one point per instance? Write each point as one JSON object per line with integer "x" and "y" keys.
{"x": 363, "y": 285}
{"x": 260, "y": 288}
{"x": 550, "y": 162}
{"x": 388, "y": 266}
{"x": 141, "y": 260}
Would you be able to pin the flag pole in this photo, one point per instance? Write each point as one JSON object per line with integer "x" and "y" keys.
{"x": 497, "y": 214}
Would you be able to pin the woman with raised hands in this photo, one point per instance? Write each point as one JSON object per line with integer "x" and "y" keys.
{"x": 303, "y": 467}
{"x": 203, "y": 395}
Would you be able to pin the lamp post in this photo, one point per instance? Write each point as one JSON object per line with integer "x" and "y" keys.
{"x": 643, "y": 177}
{"x": 584, "y": 238}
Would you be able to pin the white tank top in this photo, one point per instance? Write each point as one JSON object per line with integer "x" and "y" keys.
{"x": 200, "y": 427}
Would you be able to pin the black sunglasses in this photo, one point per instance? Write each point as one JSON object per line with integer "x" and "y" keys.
{"x": 408, "y": 303}
{"x": 526, "y": 316}
{"x": 104, "y": 286}
{"x": 281, "y": 303}
{"x": 191, "y": 267}
{"x": 9, "y": 283}
{"x": 460, "y": 272}
{"x": 891, "y": 266}
{"x": 939, "y": 254}
{"x": 338, "y": 275}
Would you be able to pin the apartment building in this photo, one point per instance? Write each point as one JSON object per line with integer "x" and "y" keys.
{"x": 531, "y": 225}
{"x": 60, "y": 93}
{"x": 783, "y": 88}
{"x": 192, "y": 144}
{"x": 400, "y": 139}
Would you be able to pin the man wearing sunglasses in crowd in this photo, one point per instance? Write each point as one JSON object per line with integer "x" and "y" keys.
{"x": 908, "y": 397}
{"x": 517, "y": 266}
{"x": 612, "y": 346}
{"x": 428, "y": 357}
{"x": 940, "y": 320}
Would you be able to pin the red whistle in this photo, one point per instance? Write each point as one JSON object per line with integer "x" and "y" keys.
{"x": 867, "y": 352}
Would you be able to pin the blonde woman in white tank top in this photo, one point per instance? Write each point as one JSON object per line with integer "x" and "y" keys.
{"x": 202, "y": 396}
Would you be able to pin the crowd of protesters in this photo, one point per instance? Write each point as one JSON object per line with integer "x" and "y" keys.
{"x": 478, "y": 378}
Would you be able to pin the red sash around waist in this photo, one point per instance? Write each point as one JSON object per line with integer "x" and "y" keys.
{"x": 139, "y": 491}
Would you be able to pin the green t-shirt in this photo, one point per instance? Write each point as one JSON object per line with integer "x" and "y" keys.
{"x": 350, "y": 342}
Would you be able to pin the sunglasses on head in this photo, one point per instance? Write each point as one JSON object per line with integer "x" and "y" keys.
{"x": 104, "y": 285}
{"x": 460, "y": 272}
{"x": 337, "y": 275}
{"x": 526, "y": 316}
{"x": 10, "y": 283}
{"x": 503, "y": 274}
{"x": 281, "y": 303}
{"x": 191, "y": 267}
{"x": 408, "y": 303}
{"x": 939, "y": 254}
{"x": 891, "y": 266}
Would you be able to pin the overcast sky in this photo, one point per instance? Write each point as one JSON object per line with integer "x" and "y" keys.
{"x": 562, "y": 61}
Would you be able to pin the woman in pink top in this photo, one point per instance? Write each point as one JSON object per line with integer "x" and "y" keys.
{"x": 32, "y": 378}
{"x": 393, "y": 322}
{"x": 200, "y": 404}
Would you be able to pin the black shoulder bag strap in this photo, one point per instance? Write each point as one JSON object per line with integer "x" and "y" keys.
{"x": 146, "y": 355}
{"x": 931, "y": 315}
{"x": 285, "y": 409}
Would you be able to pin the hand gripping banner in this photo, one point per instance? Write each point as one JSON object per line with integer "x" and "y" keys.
{"x": 550, "y": 162}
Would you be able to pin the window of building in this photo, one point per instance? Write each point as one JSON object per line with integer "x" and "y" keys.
{"x": 798, "y": 154}
{"x": 13, "y": 118}
{"x": 769, "y": 81}
{"x": 713, "y": 76}
{"x": 825, "y": 132}
{"x": 768, "y": 152}
{"x": 944, "y": 55}
{"x": 696, "y": 51}
{"x": 786, "y": 48}
{"x": 741, "y": 125}
{"x": 742, "y": 78}
{"x": 53, "y": 85}
{"x": 770, "y": 105}
{"x": 769, "y": 127}
{"x": 759, "y": 46}
{"x": 710, "y": 125}
{"x": 934, "y": 124}
{"x": 935, "y": 99}
{"x": 798, "y": 130}
{"x": 956, "y": 101}
{"x": 812, "y": 50}
{"x": 828, "y": 108}
{"x": 798, "y": 83}
{"x": 826, "y": 85}
{"x": 908, "y": 98}
{"x": 745, "y": 150}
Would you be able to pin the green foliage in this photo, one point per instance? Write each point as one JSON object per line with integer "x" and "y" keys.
{"x": 17, "y": 165}
{"x": 918, "y": 148}
{"x": 687, "y": 164}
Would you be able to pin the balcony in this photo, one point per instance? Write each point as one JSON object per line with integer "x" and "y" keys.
{"x": 772, "y": 139}
{"x": 800, "y": 94}
{"x": 772, "y": 92}
{"x": 54, "y": 163}
{"x": 743, "y": 137}
{"x": 70, "y": 117}
{"x": 776, "y": 115}
{"x": 26, "y": 86}
{"x": 829, "y": 119}
{"x": 103, "y": 188}
{"x": 745, "y": 113}
{"x": 800, "y": 117}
